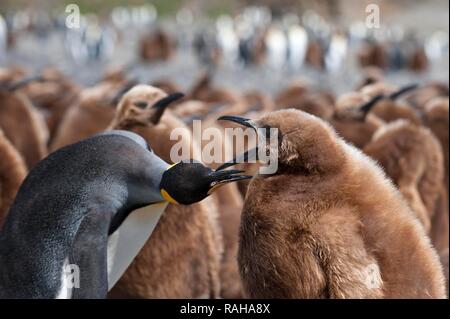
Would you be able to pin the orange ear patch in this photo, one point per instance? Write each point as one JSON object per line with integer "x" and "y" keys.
{"x": 167, "y": 197}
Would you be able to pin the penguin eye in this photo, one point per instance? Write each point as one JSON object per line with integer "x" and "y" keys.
{"x": 141, "y": 104}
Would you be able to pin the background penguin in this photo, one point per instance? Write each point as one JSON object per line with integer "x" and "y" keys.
{"x": 12, "y": 74}
{"x": 52, "y": 96}
{"x": 391, "y": 107}
{"x": 329, "y": 223}
{"x": 352, "y": 118}
{"x": 436, "y": 117}
{"x": 187, "y": 234}
{"x": 370, "y": 75}
{"x": 298, "y": 96}
{"x": 203, "y": 90}
{"x": 166, "y": 85}
{"x": 22, "y": 124}
{"x": 12, "y": 173}
{"x": 99, "y": 189}
{"x": 156, "y": 46}
{"x": 258, "y": 102}
{"x": 412, "y": 156}
{"x": 420, "y": 97}
{"x": 90, "y": 115}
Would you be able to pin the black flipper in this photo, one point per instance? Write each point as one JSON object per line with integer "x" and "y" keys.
{"x": 89, "y": 253}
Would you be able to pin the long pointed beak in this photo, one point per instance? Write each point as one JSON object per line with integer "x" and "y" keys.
{"x": 241, "y": 158}
{"x": 240, "y": 120}
{"x": 222, "y": 177}
{"x": 161, "y": 105}
{"x": 247, "y": 156}
{"x": 166, "y": 101}
{"x": 402, "y": 91}
{"x": 366, "y": 107}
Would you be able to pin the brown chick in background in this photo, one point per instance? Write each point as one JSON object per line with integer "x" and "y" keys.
{"x": 23, "y": 125}
{"x": 412, "y": 157}
{"x": 182, "y": 257}
{"x": 12, "y": 173}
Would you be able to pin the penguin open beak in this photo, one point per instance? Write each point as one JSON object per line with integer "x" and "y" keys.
{"x": 222, "y": 177}
{"x": 188, "y": 182}
{"x": 247, "y": 156}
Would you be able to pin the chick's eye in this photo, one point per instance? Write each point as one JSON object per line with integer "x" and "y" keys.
{"x": 141, "y": 104}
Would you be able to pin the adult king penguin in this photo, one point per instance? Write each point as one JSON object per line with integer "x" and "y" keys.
{"x": 92, "y": 204}
{"x": 328, "y": 223}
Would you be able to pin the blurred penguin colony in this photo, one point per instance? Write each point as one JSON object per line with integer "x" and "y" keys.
{"x": 359, "y": 205}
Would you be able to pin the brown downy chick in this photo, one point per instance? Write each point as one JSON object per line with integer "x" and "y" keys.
{"x": 190, "y": 110}
{"x": 315, "y": 55}
{"x": 291, "y": 94}
{"x": 418, "y": 61}
{"x": 203, "y": 90}
{"x": 329, "y": 223}
{"x": 371, "y": 75}
{"x": 12, "y": 173}
{"x": 91, "y": 115}
{"x": 373, "y": 54}
{"x": 352, "y": 118}
{"x": 420, "y": 97}
{"x": 391, "y": 108}
{"x": 166, "y": 85}
{"x": 22, "y": 124}
{"x": 412, "y": 157}
{"x": 115, "y": 74}
{"x": 297, "y": 96}
{"x": 157, "y": 45}
{"x": 12, "y": 74}
{"x": 52, "y": 96}
{"x": 258, "y": 102}
{"x": 436, "y": 116}
{"x": 182, "y": 257}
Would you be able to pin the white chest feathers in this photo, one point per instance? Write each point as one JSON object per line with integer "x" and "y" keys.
{"x": 126, "y": 242}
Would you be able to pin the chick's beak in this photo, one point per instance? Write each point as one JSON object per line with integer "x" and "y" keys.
{"x": 240, "y": 120}
{"x": 403, "y": 91}
{"x": 247, "y": 156}
{"x": 222, "y": 177}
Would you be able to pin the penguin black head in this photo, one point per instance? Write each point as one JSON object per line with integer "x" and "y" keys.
{"x": 189, "y": 182}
